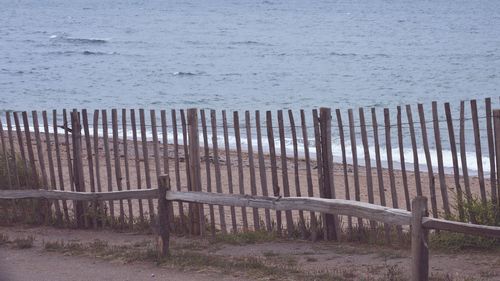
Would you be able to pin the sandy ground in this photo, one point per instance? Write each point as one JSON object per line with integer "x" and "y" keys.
{"x": 297, "y": 178}
{"x": 354, "y": 262}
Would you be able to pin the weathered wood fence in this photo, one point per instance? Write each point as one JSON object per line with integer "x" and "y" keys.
{"x": 316, "y": 157}
{"x": 418, "y": 218}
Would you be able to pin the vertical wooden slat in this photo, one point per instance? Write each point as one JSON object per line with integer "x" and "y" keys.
{"x": 262, "y": 168}
{"x": 67, "y": 130}
{"x": 241, "y": 182}
{"x": 163, "y": 217}
{"x": 53, "y": 179}
{"x": 368, "y": 166}
{"x": 251, "y": 164}
{"x": 491, "y": 150}
{"x": 145, "y": 155}
{"x": 59, "y": 164}
{"x": 41, "y": 163}
{"x": 229, "y": 169}
{"x": 24, "y": 161}
{"x": 198, "y": 219}
{"x": 156, "y": 149}
{"x": 380, "y": 179}
{"x": 166, "y": 166}
{"x": 439, "y": 152}
{"x": 107, "y": 156}
{"x": 284, "y": 172}
{"x": 402, "y": 158}
{"x": 6, "y": 158}
{"x": 218, "y": 179}
{"x": 81, "y": 218}
{"x": 31, "y": 155}
{"x": 90, "y": 163}
{"x": 428, "y": 161}
{"x": 12, "y": 152}
{"x": 344, "y": 165}
{"x": 177, "y": 166}
{"x": 416, "y": 165}
{"x": 496, "y": 121}
{"x": 302, "y": 222}
{"x": 127, "y": 168}
{"x": 355, "y": 167}
{"x": 206, "y": 157}
{"x": 477, "y": 142}
{"x": 187, "y": 167}
{"x": 331, "y": 221}
{"x": 100, "y": 207}
{"x": 116, "y": 154}
{"x": 419, "y": 241}
{"x": 463, "y": 153}
{"x": 310, "y": 187}
{"x": 454, "y": 157}
{"x": 274, "y": 166}
{"x": 390, "y": 165}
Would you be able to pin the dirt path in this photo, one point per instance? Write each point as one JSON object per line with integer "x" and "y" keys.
{"x": 39, "y": 265}
{"x": 245, "y": 258}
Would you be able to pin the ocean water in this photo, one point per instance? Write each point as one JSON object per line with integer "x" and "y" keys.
{"x": 238, "y": 55}
{"x": 248, "y": 55}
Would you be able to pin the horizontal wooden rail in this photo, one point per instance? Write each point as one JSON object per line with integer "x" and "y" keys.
{"x": 327, "y": 206}
{"x": 79, "y": 196}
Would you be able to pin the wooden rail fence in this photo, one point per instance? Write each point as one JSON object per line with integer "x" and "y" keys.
{"x": 449, "y": 155}
{"x": 418, "y": 218}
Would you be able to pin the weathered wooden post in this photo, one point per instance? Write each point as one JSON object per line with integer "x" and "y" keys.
{"x": 495, "y": 192}
{"x": 419, "y": 241}
{"x": 196, "y": 210}
{"x": 163, "y": 220}
{"x": 77, "y": 167}
{"x": 332, "y": 229}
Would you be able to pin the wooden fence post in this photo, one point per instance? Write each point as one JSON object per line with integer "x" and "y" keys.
{"x": 194, "y": 166}
{"x": 77, "y": 167}
{"x": 495, "y": 193}
{"x": 419, "y": 241}
{"x": 331, "y": 225}
{"x": 163, "y": 221}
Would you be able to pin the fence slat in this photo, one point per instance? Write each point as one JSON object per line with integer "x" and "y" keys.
{"x": 402, "y": 158}
{"x": 6, "y": 158}
{"x": 109, "y": 174}
{"x": 419, "y": 241}
{"x": 41, "y": 163}
{"x": 380, "y": 179}
{"x": 206, "y": 158}
{"x": 33, "y": 176}
{"x": 439, "y": 152}
{"x": 262, "y": 169}
{"x": 218, "y": 179}
{"x": 284, "y": 172}
{"x": 344, "y": 165}
{"x": 198, "y": 219}
{"x": 187, "y": 161}
{"x": 127, "y": 165}
{"x": 241, "y": 182}
{"x": 76, "y": 135}
{"x": 428, "y": 161}
{"x": 491, "y": 150}
{"x": 251, "y": 164}
{"x": 12, "y": 150}
{"x": 496, "y": 121}
{"x": 59, "y": 165}
{"x": 368, "y": 165}
{"x": 477, "y": 142}
{"x": 416, "y": 165}
{"x": 145, "y": 156}
{"x": 229, "y": 169}
{"x": 177, "y": 167}
{"x": 274, "y": 167}
{"x": 454, "y": 157}
{"x": 67, "y": 130}
{"x": 90, "y": 164}
{"x": 166, "y": 166}
{"x": 100, "y": 207}
{"x": 355, "y": 167}
{"x": 20, "y": 143}
{"x": 302, "y": 222}
{"x": 463, "y": 153}
{"x": 116, "y": 154}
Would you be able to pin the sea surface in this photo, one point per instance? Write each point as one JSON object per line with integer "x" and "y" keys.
{"x": 248, "y": 55}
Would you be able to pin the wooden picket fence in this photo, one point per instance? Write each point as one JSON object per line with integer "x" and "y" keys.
{"x": 84, "y": 151}
{"x": 418, "y": 218}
